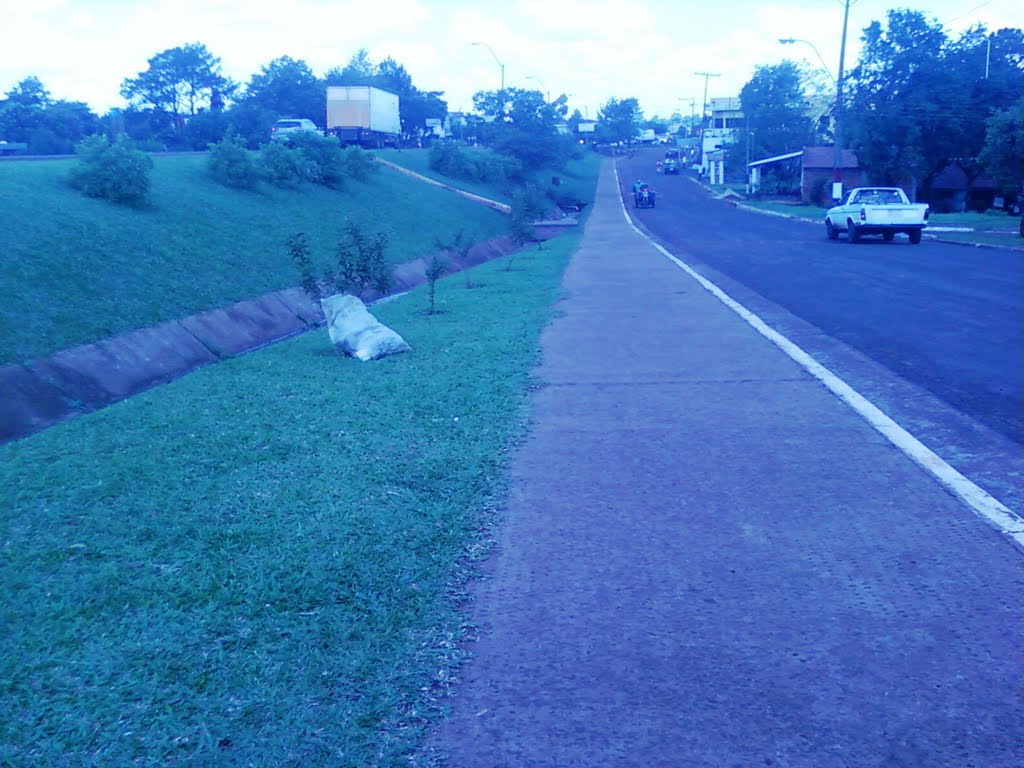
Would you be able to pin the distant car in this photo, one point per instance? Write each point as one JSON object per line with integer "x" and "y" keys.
{"x": 671, "y": 166}
{"x": 287, "y": 127}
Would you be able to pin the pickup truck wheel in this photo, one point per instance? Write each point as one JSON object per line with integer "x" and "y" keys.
{"x": 888, "y": 236}
{"x": 830, "y": 231}
{"x": 915, "y": 236}
{"x": 852, "y": 233}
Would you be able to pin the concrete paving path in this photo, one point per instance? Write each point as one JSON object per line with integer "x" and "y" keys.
{"x": 709, "y": 560}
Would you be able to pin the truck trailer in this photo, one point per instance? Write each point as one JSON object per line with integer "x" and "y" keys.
{"x": 363, "y": 115}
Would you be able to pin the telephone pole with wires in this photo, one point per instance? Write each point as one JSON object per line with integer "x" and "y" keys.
{"x": 704, "y": 109}
{"x": 837, "y": 156}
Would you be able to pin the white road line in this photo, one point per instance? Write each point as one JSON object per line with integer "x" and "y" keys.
{"x": 978, "y": 499}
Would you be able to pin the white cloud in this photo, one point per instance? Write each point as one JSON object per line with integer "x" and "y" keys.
{"x": 592, "y": 49}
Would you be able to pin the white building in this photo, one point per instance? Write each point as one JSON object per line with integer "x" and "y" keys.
{"x": 725, "y": 120}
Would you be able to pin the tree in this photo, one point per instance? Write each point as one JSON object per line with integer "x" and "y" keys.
{"x": 574, "y": 120}
{"x": 180, "y": 81}
{"x": 29, "y": 114}
{"x": 1002, "y": 156}
{"x": 287, "y": 88}
{"x": 359, "y": 71}
{"x": 30, "y": 92}
{"x": 619, "y": 121}
{"x": 776, "y": 110}
{"x": 520, "y": 123}
{"x": 415, "y": 106}
{"x": 656, "y": 124}
{"x": 921, "y": 100}
{"x": 898, "y": 88}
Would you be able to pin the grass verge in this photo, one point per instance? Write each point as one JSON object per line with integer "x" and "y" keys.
{"x": 76, "y": 270}
{"x": 980, "y": 237}
{"x": 252, "y": 566}
{"x": 578, "y": 180}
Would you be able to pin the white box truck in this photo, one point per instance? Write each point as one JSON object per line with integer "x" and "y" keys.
{"x": 364, "y": 115}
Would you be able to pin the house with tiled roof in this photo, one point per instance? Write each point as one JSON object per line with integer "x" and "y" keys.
{"x": 954, "y": 189}
{"x": 817, "y": 172}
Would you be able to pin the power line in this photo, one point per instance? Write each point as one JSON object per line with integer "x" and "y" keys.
{"x": 706, "y": 75}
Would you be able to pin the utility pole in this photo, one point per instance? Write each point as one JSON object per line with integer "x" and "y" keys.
{"x": 837, "y": 156}
{"x": 704, "y": 109}
{"x": 748, "y": 153}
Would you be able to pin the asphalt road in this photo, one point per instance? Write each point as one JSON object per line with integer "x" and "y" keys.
{"x": 949, "y": 318}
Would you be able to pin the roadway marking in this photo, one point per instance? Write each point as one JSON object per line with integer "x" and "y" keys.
{"x": 981, "y": 502}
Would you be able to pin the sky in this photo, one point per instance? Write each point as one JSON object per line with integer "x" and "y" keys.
{"x": 590, "y": 50}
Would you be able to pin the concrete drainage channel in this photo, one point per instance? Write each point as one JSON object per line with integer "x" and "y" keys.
{"x": 45, "y": 391}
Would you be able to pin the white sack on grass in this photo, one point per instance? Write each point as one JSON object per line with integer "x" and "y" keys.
{"x": 356, "y": 332}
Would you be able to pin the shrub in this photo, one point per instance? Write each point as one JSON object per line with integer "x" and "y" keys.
{"x": 361, "y": 263}
{"x": 456, "y": 162}
{"x": 324, "y": 158}
{"x": 435, "y": 270}
{"x": 359, "y": 164}
{"x": 460, "y": 244}
{"x": 231, "y": 164}
{"x": 528, "y": 206}
{"x": 298, "y": 247}
{"x": 282, "y": 166}
{"x": 117, "y": 172}
{"x": 44, "y": 141}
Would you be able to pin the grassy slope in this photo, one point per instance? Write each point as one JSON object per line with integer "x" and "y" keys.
{"x": 248, "y": 566}
{"x": 577, "y": 177}
{"x": 75, "y": 270}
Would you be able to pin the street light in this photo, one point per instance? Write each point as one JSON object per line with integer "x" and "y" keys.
{"x": 791, "y": 40}
{"x": 693, "y": 110}
{"x": 496, "y": 59}
{"x": 837, "y": 149}
{"x": 547, "y": 95}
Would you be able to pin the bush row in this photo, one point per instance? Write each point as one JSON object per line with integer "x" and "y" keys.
{"x": 119, "y": 172}
{"x": 307, "y": 157}
{"x": 484, "y": 165}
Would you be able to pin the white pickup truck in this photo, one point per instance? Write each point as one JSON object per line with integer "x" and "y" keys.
{"x": 881, "y": 211}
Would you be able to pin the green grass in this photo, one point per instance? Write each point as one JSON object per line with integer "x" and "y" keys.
{"x": 75, "y": 270}
{"x": 990, "y": 221}
{"x": 578, "y": 178}
{"x": 980, "y": 237}
{"x": 253, "y": 565}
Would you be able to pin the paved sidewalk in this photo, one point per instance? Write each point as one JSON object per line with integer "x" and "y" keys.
{"x": 709, "y": 560}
